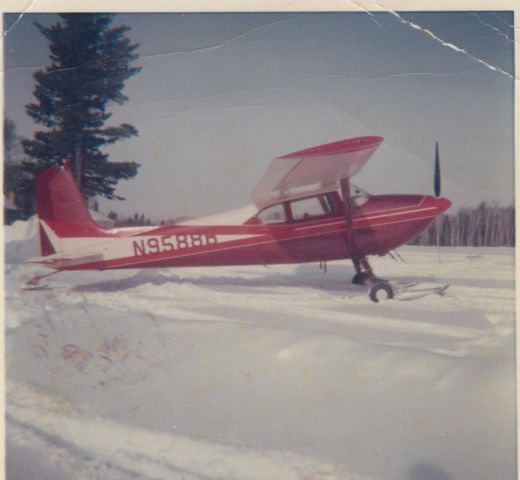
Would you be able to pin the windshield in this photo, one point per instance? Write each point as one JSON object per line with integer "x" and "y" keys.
{"x": 358, "y": 195}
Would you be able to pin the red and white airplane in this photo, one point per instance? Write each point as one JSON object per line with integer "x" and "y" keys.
{"x": 306, "y": 210}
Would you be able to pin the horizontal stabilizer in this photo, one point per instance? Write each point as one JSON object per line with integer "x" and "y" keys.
{"x": 61, "y": 261}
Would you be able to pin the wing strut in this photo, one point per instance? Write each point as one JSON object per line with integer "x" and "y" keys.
{"x": 347, "y": 204}
{"x": 364, "y": 272}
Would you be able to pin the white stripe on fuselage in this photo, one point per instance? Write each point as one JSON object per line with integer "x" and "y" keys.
{"x": 119, "y": 247}
{"x": 53, "y": 238}
{"x": 359, "y": 218}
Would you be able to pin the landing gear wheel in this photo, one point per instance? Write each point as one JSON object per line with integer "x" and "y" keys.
{"x": 360, "y": 278}
{"x": 381, "y": 291}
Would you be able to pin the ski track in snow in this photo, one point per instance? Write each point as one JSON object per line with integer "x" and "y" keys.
{"x": 262, "y": 373}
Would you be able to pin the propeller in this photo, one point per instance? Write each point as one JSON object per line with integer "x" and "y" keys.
{"x": 437, "y": 173}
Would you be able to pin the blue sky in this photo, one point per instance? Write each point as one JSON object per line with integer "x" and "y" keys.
{"x": 220, "y": 95}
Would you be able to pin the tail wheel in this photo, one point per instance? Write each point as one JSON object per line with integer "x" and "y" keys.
{"x": 381, "y": 291}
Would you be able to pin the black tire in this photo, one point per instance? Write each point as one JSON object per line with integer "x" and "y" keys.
{"x": 381, "y": 291}
{"x": 360, "y": 278}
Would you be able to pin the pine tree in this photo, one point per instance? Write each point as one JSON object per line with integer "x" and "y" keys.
{"x": 90, "y": 62}
{"x": 17, "y": 183}
{"x": 9, "y": 140}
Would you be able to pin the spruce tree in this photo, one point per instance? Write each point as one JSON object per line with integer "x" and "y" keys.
{"x": 9, "y": 140}
{"x": 17, "y": 183}
{"x": 90, "y": 62}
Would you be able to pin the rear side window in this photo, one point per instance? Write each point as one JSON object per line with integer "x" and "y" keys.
{"x": 274, "y": 214}
{"x": 312, "y": 207}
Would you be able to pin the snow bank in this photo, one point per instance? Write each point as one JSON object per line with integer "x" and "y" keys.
{"x": 20, "y": 230}
{"x": 21, "y": 241}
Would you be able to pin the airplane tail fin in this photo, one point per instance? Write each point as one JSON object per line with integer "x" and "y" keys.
{"x": 61, "y": 210}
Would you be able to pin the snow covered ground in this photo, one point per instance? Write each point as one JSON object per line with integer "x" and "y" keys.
{"x": 262, "y": 373}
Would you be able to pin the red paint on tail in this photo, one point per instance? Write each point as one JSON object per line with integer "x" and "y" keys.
{"x": 60, "y": 205}
{"x": 58, "y": 197}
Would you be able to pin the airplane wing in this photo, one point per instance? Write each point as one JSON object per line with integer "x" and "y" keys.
{"x": 313, "y": 170}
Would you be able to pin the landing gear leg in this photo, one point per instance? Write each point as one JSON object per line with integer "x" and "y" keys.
{"x": 364, "y": 273}
{"x": 379, "y": 289}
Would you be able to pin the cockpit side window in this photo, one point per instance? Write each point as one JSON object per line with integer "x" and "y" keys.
{"x": 312, "y": 207}
{"x": 273, "y": 214}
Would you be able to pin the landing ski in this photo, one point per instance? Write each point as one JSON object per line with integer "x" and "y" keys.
{"x": 414, "y": 293}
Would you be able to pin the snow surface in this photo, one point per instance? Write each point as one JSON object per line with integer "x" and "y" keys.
{"x": 261, "y": 373}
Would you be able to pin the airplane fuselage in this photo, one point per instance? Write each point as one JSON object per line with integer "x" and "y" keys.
{"x": 382, "y": 223}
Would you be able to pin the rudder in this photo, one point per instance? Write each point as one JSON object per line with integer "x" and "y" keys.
{"x": 61, "y": 208}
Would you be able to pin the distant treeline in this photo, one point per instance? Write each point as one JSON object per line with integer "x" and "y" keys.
{"x": 140, "y": 220}
{"x": 131, "y": 221}
{"x": 484, "y": 226}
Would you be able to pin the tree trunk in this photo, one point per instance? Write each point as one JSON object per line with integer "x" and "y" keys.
{"x": 79, "y": 166}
